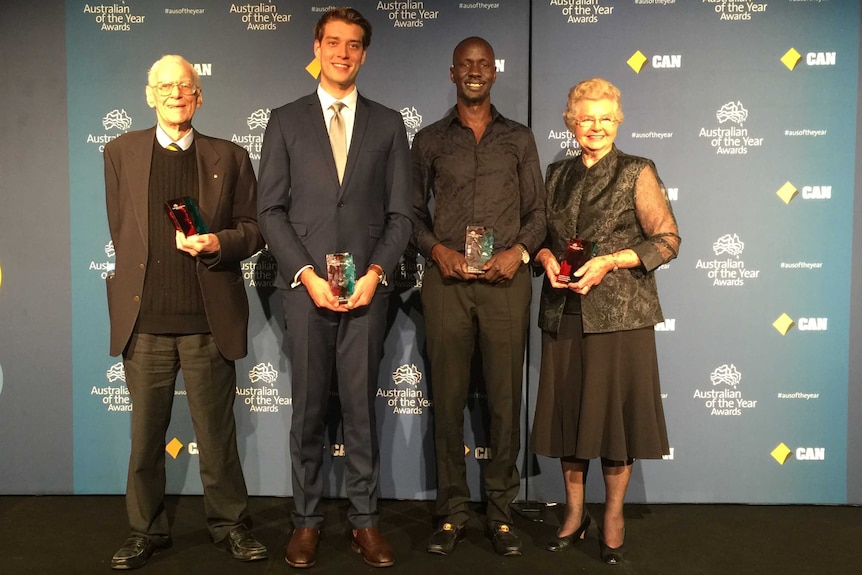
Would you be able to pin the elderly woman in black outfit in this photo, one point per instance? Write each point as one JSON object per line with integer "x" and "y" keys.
{"x": 599, "y": 392}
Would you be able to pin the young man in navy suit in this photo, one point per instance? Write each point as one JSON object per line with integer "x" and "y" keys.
{"x": 312, "y": 202}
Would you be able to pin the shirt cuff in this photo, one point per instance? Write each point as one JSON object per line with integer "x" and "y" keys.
{"x": 296, "y": 282}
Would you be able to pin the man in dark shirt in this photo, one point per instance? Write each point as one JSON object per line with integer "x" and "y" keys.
{"x": 178, "y": 302}
{"x": 482, "y": 170}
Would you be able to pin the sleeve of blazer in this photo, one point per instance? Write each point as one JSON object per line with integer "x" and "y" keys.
{"x": 399, "y": 225}
{"x": 273, "y": 201}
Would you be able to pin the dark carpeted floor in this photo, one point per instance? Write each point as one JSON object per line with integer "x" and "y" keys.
{"x": 72, "y": 535}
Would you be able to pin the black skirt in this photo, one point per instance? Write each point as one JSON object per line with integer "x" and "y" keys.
{"x": 599, "y": 395}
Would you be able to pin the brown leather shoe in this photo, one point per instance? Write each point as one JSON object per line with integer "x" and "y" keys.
{"x": 301, "y": 551}
{"x": 374, "y": 548}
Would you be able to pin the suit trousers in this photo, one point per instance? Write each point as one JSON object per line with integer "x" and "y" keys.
{"x": 457, "y": 314}
{"x": 322, "y": 344}
{"x": 152, "y": 363}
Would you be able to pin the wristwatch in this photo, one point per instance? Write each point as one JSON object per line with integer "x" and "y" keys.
{"x": 381, "y": 275}
{"x": 525, "y": 255}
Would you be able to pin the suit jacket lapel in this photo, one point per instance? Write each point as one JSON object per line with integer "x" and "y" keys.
{"x": 138, "y": 175}
{"x": 360, "y": 123}
{"x": 318, "y": 127}
{"x": 210, "y": 178}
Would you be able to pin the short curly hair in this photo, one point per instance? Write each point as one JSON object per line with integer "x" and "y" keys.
{"x": 592, "y": 89}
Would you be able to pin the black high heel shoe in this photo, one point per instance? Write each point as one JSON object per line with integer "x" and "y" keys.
{"x": 560, "y": 543}
{"x": 612, "y": 555}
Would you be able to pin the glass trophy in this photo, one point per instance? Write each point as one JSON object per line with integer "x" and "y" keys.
{"x": 341, "y": 274}
{"x": 578, "y": 252}
{"x": 186, "y": 216}
{"x": 478, "y": 248}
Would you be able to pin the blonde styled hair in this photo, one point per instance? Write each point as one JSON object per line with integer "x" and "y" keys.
{"x": 592, "y": 89}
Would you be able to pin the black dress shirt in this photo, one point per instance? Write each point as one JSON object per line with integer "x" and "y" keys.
{"x": 495, "y": 182}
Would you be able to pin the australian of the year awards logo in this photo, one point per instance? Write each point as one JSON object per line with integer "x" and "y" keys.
{"x": 566, "y": 141}
{"x": 114, "y": 123}
{"x": 260, "y": 270}
{"x": 583, "y": 11}
{"x": 114, "y": 17}
{"x": 410, "y": 270}
{"x": 735, "y": 10}
{"x": 727, "y": 269}
{"x": 114, "y": 396}
{"x": 261, "y": 395}
{"x": 724, "y": 398}
{"x": 104, "y": 268}
{"x": 412, "y": 121}
{"x": 253, "y": 140}
{"x": 406, "y": 13}
{"x": 731, "y": 137}
{"x": 405, "y": 397}
{"x": 260, "y": 16}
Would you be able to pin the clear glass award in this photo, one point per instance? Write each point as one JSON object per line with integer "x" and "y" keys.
{"x": 341, "y": 274}
{"x": 578, "y": 252}
{"x": 478, "y": 248}
{"x": 186, "y": 216}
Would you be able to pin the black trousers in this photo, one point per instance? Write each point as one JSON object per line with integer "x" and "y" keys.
{"x": 458, "y": 313}
{"x": 152, "y": 363}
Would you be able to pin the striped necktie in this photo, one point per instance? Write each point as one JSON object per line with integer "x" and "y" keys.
{"x": 173, "y": 147}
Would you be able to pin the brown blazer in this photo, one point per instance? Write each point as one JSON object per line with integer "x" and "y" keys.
{"x": 227, "y": 199}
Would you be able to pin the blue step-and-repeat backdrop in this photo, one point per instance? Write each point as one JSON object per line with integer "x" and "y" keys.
{"x": 749, "y": 110}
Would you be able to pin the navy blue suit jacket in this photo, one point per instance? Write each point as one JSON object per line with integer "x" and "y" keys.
{"x": 304, "y": 213}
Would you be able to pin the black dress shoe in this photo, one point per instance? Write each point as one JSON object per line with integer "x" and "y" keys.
{"x": 559, "y": 543}
{"x": 612, "y": 555}
{"x": 444, "y": 539}
{"x": 135, "y": 552}
{"x": 505, "y": 542}
{"x": 243, "y": 545}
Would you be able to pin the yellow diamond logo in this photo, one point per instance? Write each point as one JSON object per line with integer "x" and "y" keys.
{"x": 466, "y": 451}
{"x": 637, "y": 61}
{"x": 783, "y": 324}
{"x": 791, "y": 58}
{"x": 173, "y": 447}
{"x": 787, "y": 192}
{"x": 781, "y": 453}
{"x": 313, "y": 68}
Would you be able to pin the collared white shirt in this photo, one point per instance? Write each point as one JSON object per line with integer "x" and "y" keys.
{"x": 164, "y": 140}
{"x": 348, "y": 112}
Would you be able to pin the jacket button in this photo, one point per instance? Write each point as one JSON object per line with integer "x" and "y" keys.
{"x": 340, "y": 204}
{"x": 136, "y": 299}
{"x": 141, "y": 266}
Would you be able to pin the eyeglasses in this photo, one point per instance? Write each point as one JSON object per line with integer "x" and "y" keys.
{"x": 605, "y": 122}
{"x": 167, "y": 88}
